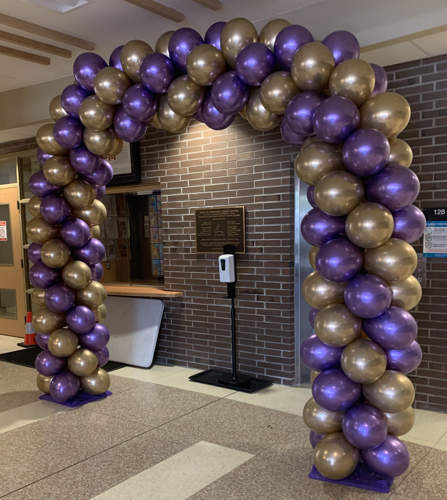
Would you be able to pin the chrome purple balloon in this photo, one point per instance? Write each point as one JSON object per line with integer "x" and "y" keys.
{"x": 391, "y": 458}
{"x": 157, "y": 72}
{"x": 68, "y": 132}
{"x": 86, "y": 67}
{"x": 339, "y": 260}
{"x": 315, "y": 438}
{"x": 333, "y": 390}
{"x": 82, "y": 160}
{"x": 101, "y": 175}
{"x": 100, "y": 191}
{"x": 75, "y": 233}
{"x": 47, "y": 364}
{"x": 115, "y": 58}
{"x": 343, "y": 45}
{"x": 335, "y": 119}
{"x": 212, "y": 35}
{"x": 409, "y": 224}
{"x": 229, "y": 93}
{"x": 103, "y": 356}
{"x": 91, "y": 253}
{"x": 80, "y": 319}
{"x": 42, "y": 157}
{"x": 381, "y": 79}
{"x": 288, "y": 41}
{"x": 127, "y": 128}
{"x": 289, "y": 136}
{"x": 319, "y": 356}
{"x": 34, "y": 252}
{"x": 367, "y": 296}
{"x": 311, "y": 196}
{"x": 139, "y": 103}
{"x": 96, "y": 338}
{"x": 72, "y": 97}
{"x": 405, "y": 360}
{"x": 181, "y": 44}
{"x": 364, "y": 426}
{"x": 42, "y": 276}
{"x": 300, "y": 111}
{"x": 42, "y": 340}
{"x": 254, "y": 63}
{"x": 312, "y": 313}
{"x": 39, "y": 185}
{"x": 97, "y": 271}
{"x": 64, "y": 386}
{"x": 54, "y": 209}
{"x": 212, "y": 117}
{"x": 318, "y": 227}
{"x": 59, "y": 298}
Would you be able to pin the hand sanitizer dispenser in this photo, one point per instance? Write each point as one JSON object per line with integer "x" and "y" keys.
{"x": 227, "y": 271}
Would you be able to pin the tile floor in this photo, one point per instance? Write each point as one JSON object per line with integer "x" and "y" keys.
{"x": 162, "y": 437}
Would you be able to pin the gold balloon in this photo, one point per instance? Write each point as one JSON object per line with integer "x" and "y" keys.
{"x": 63, "y": 343}
{"x": 79, "y": 194}
{"x": 277, "y": 90}
{"x": 95, "y": 114}
{"x": 46, "y": 321}
{"x": 243, "y": 113}
{"x": 369, "y": 225}
{"x": 387, "y": 112}
{"x": 335, "y": 457}
{"x": 96, "y": 383}
{"x": 132, "y": 55}
{"x": 77, "y": 274}
{"x": 34, "y": 205}
{"x": 313, "y": 256}
{"x": 185, "y": 96}
{"x": 169, "y": 119}
{"x": 55, "y": 253}
{"x": 392, "y": 393}
{"x": 162, "y": 44}
{"x": 321, "y": 420}
{"x": 312, "y": 66}
{"x": 43, "y": 383}
{"x": 270, "y": 31}
{"x": 99, "y": 142}
{"x": 336, "y": 325}
{"x": 258, "y": 116}
{"x": 363, "y": 361}
{"x": 58, "y": 171}
{"x": 94, "y": 214}
{"x": 100, "y": 313}
{"x": 110, "y": 85}
{"x": 93, "y": 295}
{"x": 316, "y": 160}
{"x": 400, "y": 152}
{"x": 338, "y": 192}
{"x": 319, "y": 292}
{"x": 38, "y": 297}
{"x": 235, "y": 36}
{"x": 56, "y": 109}
{"x": 400, "y": 423}
{"x": 116, "y": 147}
{"x": 395, "y": 260}
{"x": 39, "y": 231}
{"x": 406, "y": 293}
{"x": 82, "y": 363}
{"x": 46, "y": 141}
{"x": 95, "y": 231}
{"x": 204, "y": 64}
{"x": 313, "y": 375}
{"x": 311, "y": 140}
{"x": 155, "y": 122}
{"x": 354, "y": 79}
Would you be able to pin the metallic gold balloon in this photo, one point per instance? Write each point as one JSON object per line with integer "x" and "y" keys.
{"x": 162, "y": 44}
{"x": 58, "y": 171}
{"x": 96, "y": 383}
{"x": 55, "y": 253}
{"x": 363, "y": 361}
{"x": 99, "y": 142}
{"x": 338, "y": 192}
{"x": 95, "y": 231}
{"x": 34, "y": 205}
{"x": 155, "y": 122}
{"x": 79, "y": 194}
{"x": 235, "y": 36}
{"x": 313, "y": 256}
{"x": 169, "y": 119}
{"x": 335, "y": 457}
{"x": 392, "y": 393}
{"x": 354, "y": 79}
{"x": 95, "y": 114}
{"x": 63, "y": 343}
{"x": 316, "y": 160}
{"x": 395, "y": 260}
{"x": 56, "y": 109}
{"x": 38, "y": 297}
{"x": 369, "y": 225}
{"x": 100, "y": 313}
{"x": 320, "y": 292}
{"x": 46, "y": 321}
{"x": 132, "y": 55}
{"x": 77, "y": 274}
{"x": 92, "y": 295}
{"x": 46, "y": 141}
{"x": 277, "y": 90}
{"x": 406, "y": 293}
{"x": 110, "y": 85}
{"x": 336, "y": 325}
{"x": 321, "y": 420}
{"x": 312, "y": 66}
{"x": 43, "y": 383}
{"x": 387, "y": 112}
{"x": 400, "y": 423}
{"x": 116, "y": 147}
{"x": 311, "y": 140}
{"x": 39, "y": 231}
{"x": 204, "y": 64}
{"x": 82, "y": 363}
{"x": 270, "y": 31}
{"x": 400, "y": 152}
{"x": 185, "y": 96}
{"x": 94, "y": 214}
{"x": 313, "y": 375}
{"x": 258, "y": 116}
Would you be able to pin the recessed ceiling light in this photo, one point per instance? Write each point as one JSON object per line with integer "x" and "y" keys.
{"x": 60, "y": 6}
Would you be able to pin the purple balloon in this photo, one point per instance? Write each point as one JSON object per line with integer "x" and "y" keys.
{"x": 80, "y": 319}
{"x": 103, "y": 356}
{"x": 315, "y": 438}
{"x": 75, "y": 233}
{"x": 409, "y": 223}
{"x": 319, "y": 356}
{"x": 96, "y": 338}
{"x": 139, "y": 103}
{"x": 59, "y": 298}
{"x": 364, "y": 426}
{"x": 54, "y": 209}
{"x": 82, "y": 160}
{"x": 101, "y": 175}
{"x": 254, "y": 63}
{"x": 213, "y": 117}
{"x": 42, "y": 340}
{"x": 333, "y": 390}
{"x": 318, "y": 227}
{"x": 339, "y": 260}
{"x": 391, "y": 458}
{"x": 34, "y": 252}
{"x": 288, "y": 41}
{"x": 42, "y": 276}
{"x": 367, "y": 296}
{"x": 312, "y": 313}
{"x": 47, "y": 364}
{"x": 394, "y": 186}
{"x": 97, "y": 271}
{"x": 39, "y": 185}
{"x": 100, "y": 191}
{"x": 229, "y": 93}
{"x": 212, "y": 36}
{"x": 85, "y": 69}
{"x": 157, "y": 72}
{"x": 127, "y": 128}
{"x": 311, "y": 196}
{"x": 72, "y": 97}
{"x": 68, "y": 132}
{"x": 91, "y": 253}
{"x": 343, "y": 45}
{"x": 42, "y": 157}
{"x": 335, "y": 119}
{"x": 289, "y": 136}
{"x": 300, "y": 111}
{"x": 394, "y": 329}
{"x": 381, "y": 79}
{"x": 115, "y": 58}
{"x": 366, "y": 152}
{"x": 181, "y": 44}
{"x": 64, "y": 386}
{"x": 405, "y": 360}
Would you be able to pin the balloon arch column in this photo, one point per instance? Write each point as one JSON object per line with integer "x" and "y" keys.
{"x": 326, "y": 100}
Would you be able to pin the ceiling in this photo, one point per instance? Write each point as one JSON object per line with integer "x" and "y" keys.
{"x": 109, "y": 23}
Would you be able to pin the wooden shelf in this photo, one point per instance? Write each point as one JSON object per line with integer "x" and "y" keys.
{"x": 132, "y": 188}
{"x": 132, "y": 290}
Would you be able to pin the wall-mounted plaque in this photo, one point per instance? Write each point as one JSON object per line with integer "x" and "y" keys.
{"x": 216, "y": 227}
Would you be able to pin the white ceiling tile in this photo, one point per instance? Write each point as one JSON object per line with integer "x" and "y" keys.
{"x": 393, "y": 54}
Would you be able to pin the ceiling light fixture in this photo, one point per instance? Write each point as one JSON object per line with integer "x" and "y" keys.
{"x": 59, "y": 6}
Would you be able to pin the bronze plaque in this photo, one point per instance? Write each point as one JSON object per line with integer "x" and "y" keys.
{"x": 216, "y": 227}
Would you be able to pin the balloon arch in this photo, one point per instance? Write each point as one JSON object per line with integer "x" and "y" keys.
{"x": 326, "y": 100}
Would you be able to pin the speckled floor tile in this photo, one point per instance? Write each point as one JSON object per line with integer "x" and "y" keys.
{"x": 16, "y": 378}
{"x": 9, "y": 344}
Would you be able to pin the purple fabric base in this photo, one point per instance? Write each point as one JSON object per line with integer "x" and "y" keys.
{"x": 363, "y": 477}
{"x": 80, "y": 399}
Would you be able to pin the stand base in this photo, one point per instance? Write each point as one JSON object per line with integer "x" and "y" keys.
{"x": 80, "y": 399}
{"x": 362, "y": 477}
{"x": 22, "y": 344}
{"x": 224, "y": 379}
